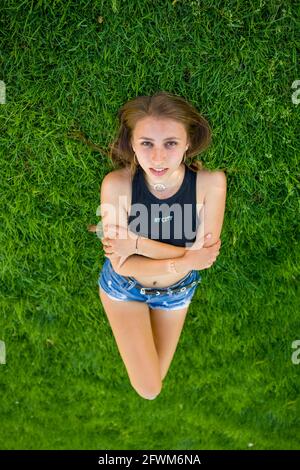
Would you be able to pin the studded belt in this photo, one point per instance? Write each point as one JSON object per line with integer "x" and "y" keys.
{"x": 165, "y": 290}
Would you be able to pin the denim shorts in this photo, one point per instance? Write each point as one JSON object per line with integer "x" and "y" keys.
{"x": 122, "y": 288}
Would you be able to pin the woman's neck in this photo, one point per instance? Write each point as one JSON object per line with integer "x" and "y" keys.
{"x": 171, "y": 186}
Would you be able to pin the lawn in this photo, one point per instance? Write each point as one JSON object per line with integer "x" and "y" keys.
{"x": 67, "y": 68}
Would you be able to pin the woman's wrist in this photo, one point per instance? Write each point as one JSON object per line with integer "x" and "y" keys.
{"x": 177, "y": 265}
{"x": 136, "y": 244}
{"x": 139, "y": 245}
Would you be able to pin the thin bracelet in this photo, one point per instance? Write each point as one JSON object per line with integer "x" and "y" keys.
{"x": 136, "y": 244}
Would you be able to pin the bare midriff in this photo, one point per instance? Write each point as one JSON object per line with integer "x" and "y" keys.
{"x": 159, "y": 281}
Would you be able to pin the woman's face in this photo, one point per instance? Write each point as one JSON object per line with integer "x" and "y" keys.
{"x": 159, "y": 143}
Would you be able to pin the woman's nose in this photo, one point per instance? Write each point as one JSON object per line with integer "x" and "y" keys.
{"x": 158, "y": 157}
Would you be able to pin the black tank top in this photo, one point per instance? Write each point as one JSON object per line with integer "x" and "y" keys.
{"x": 173, "y": 220}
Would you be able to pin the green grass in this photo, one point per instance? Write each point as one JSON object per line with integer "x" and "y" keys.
{"x": 232, "y": 381}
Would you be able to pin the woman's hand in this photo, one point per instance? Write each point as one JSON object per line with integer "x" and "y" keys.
{"x": 119, "y": 242}
{"x": 199, "y": 257}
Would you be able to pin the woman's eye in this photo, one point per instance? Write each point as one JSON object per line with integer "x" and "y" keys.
{"x": 172, "y": 142}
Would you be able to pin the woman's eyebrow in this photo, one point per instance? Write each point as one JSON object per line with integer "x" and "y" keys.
{"x": 168, "y": 138}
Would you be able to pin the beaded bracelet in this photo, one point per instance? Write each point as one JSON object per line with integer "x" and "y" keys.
{"x": 172, "y": 267}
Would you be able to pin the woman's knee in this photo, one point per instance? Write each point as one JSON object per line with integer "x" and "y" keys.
{"x": 147, "y": 394}
{"x": 146, "y": 387}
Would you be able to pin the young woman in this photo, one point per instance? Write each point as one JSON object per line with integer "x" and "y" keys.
{"x": 154, "y": 210}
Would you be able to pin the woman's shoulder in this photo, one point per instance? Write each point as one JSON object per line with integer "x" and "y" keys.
{"x": 211, "y": 177}
{"x": 203, "y": 176}
{"x": 206, "y": 176}
{"x": 120, "y": 181}
{"x": 121, "y": 175}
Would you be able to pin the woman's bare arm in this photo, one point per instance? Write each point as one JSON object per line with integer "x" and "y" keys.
{"x": 155, "y": 257}
{"x": 145, "y": 261}
{"x": 136, "y": 265}
{"x": 212, "y": 222}
{"x": 158, "y": 250}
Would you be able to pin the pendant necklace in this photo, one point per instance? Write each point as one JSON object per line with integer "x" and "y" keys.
{"x": 159, "y": 187}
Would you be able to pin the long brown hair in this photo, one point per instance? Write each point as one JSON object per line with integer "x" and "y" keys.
{"x": 160, "y": 105}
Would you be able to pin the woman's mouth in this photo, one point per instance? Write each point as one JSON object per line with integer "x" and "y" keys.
{"x": 159, "y": 172}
